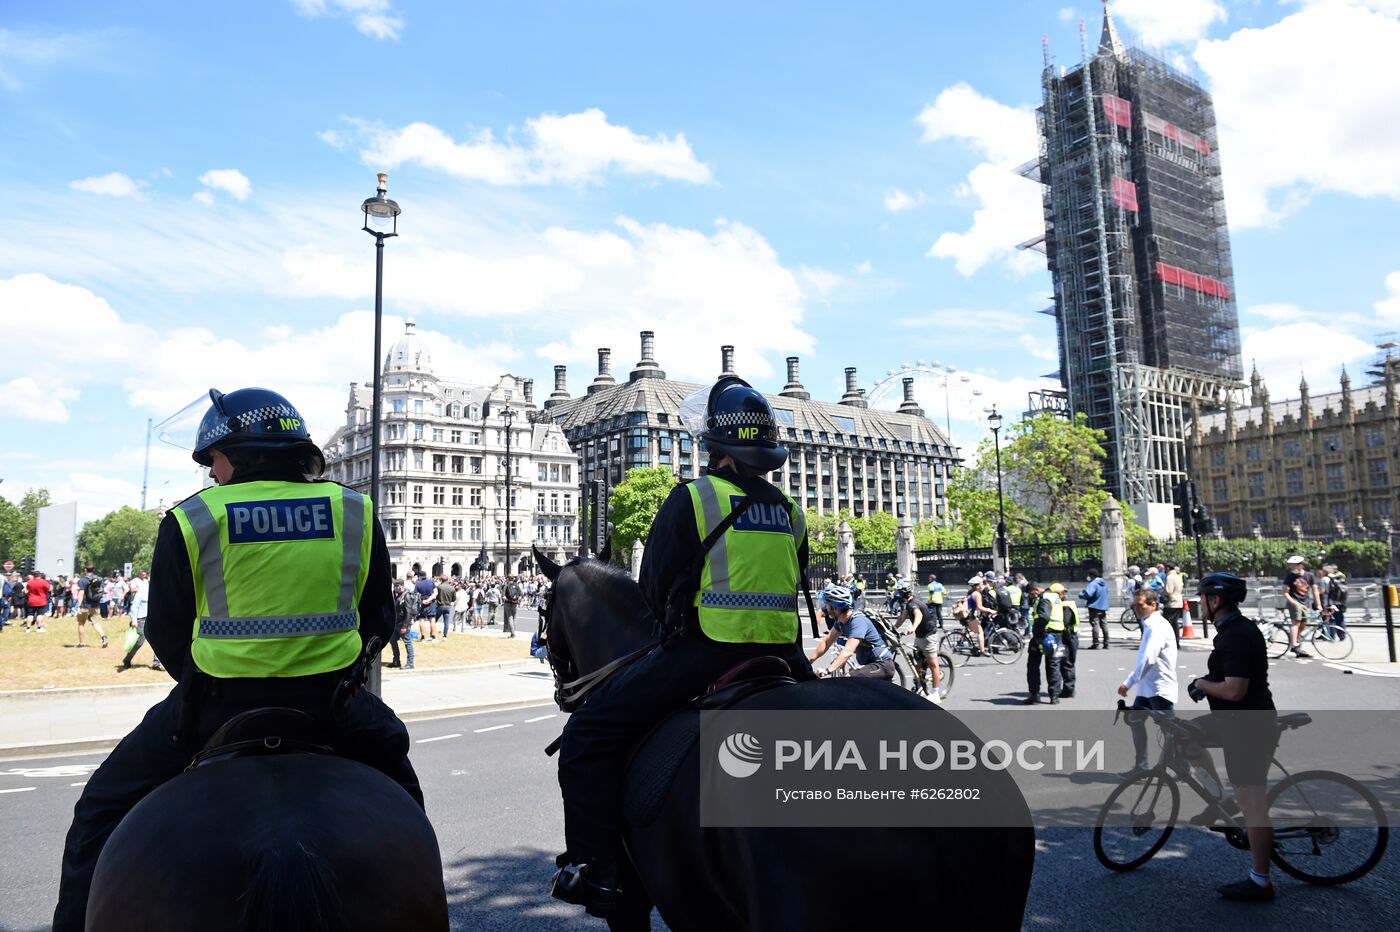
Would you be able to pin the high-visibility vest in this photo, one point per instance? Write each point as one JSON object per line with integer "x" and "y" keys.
{"x": 1013, "y": 592}
{"x": 1057, "y": 615}
{"x": 1071, "y": 615}
{"x": 935, "y": 593}
{"x": 278, "y": 571}
{"x": 748, "y": 587}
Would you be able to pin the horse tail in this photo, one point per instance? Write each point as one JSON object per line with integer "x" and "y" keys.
{"x": 293, "y": 890}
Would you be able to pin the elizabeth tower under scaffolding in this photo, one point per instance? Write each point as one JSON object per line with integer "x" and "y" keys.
{"x": 1139, "y": 251}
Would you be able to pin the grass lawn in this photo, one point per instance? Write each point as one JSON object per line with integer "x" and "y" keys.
{"x": 53, "y": 659}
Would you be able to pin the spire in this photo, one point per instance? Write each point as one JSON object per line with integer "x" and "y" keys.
{"x": 1110, "y": 42}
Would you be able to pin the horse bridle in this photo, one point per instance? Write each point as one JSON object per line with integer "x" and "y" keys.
{"x": 570, "y": 689}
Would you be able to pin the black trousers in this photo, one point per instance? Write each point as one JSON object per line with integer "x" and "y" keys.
{"x": 1173, "y": 617}
{"x": 1098, "y": 625}
{"x": 368, "y": 732}
{"x": 1066, "y": 663}
{"x": 1034, "y": 657}
{"x": 597, "y": 738}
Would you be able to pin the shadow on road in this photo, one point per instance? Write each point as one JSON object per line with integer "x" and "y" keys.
{"x": 508, "y": 891}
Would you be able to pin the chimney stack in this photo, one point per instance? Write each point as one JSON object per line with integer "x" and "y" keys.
{"x": 726, "y": 356}
{"x": 528, "y": 385}
{"x": 604, "y": 377}
{"x": 647, "y": 367}
{"x": 909, "y": 405}
{"x": 560, "y": 393}
{"x": 793, "y": 388}
{"x": 853, "y": 397}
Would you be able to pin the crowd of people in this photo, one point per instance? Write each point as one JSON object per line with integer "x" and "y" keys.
{"x": 91, "y": 597}
{"x": 431, "y": 608}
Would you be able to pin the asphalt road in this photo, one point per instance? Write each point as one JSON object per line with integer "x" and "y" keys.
{"x": 494, "y": 802}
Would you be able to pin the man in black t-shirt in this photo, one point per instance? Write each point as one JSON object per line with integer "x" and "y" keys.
{"x": 1301, "y": 595}
{"x": 915, "y": 614}
{"x": 1241, "y": 722}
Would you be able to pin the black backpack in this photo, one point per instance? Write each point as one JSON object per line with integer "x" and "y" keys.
{"x": 1337, "y": 591}
{"x": 93, "y": 590}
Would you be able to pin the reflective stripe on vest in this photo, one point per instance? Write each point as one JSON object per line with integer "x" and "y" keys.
{"x": 1071, "y": 615}
{"x": 278, "y": 571}
{"x": 748, "y": 587}
{"x": 1013, "y": 592}
{"x": 1057, "y": 614}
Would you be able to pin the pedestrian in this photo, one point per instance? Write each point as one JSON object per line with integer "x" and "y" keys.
{"x": 1153, "y": 673}
{"x": 37, "y": 593}
{"x": 89, "y": 601}
{"x": 1301, "y": 596}
{"x": 1334, "y": 597}
{"x": 7, "y": 588}
{"x": 401, "y": 622}
{"x": 428, "y": 608}
{"x": 1174, "y": 601}
{"x": 1095, "y": 596}
{"x": 1047, "y": 628}
{"x": 479, "y": 605}
{"x": 461, "y": 606}
{"x": 510, "y": 599}
{"x": 140, "y": 602}
{"x": 936, "y": 593}
{"x": 19, "y": 600}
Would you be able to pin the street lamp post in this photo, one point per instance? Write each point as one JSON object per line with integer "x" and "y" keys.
{"x": 508, "y": 416}
{"x": 1000, "y": 555}
{"x": 381, "y": 222}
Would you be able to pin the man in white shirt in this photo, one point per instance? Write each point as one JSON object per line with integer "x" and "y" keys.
{"x": 1154, "y": 672}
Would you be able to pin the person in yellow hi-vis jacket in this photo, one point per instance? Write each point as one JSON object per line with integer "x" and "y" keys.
{"x": 741, "y": 603}
{"x": 267, "y": 588}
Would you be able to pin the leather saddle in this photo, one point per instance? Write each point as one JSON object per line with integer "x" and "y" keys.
{"x": 262, "y": 732}
{"x": 745, "y": 679}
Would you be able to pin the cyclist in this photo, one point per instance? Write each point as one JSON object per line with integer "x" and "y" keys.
{"x": 935, "y": 600}
{"x": 863, "y": 641}
{"x": 920, "y": 620}
{"x": 1301, "y": 594}
{"x": 979, "y": 607}
{"x": 1238, "y": 681}
{"x": 1008, "y": 602}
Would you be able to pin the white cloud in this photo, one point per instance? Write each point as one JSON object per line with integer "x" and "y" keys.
{"x": 897, "y": 200}
{"x": 1166, "y": 22}
{"x": 1389, "y": 307}
{"x": 114, "y": 184}
{"x": 864, "y": 268}
{"x": 374, "y": 18}
{"x": 22, "y": 53}
{"x": 1283, "y": 353}
{"x": 818, "y": 284}
{"x": 574, "y": 149}
{"x": 1066, "y": 14}
{"x": 1304, "y": 108}
{"x": 333, "y": 138}
{"x": 1008, "y": 206}
{"x": 229, "y": 180}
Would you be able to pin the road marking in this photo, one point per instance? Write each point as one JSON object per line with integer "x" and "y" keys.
{"x": 538, "y": 718}
{"x": 1346, "y": 669}
{"x": 438, "y": 738}
{"x": 84, "y": 783}
{"x": 22, "y": 789}
{"x": 492, "y": 728}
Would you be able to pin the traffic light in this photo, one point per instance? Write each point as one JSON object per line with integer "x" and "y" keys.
{"x": 26, "y": 565}
{"x": 1201, "y": 520}
{"x": 1185, "y": 506}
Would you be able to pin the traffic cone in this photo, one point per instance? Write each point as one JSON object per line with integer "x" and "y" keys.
{"x": 1186, "y": 630}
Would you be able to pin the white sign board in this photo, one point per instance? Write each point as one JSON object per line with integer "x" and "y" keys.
{"x": 56, "y": 539}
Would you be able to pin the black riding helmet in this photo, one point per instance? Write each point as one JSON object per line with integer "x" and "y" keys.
{"x": 1228, "y": 586}
{"x": 255, "y": 418}
{"x": 739, "y": 422}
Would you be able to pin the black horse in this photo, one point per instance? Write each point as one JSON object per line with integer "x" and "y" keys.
{"x": 830, "y": 878}
{"x": 289, "y": 843}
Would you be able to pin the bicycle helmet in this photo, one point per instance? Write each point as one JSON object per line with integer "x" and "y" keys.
{"x": 1226, "y": 585}
{"x": 837, "y": 597}
{"x": 903, "y": 589}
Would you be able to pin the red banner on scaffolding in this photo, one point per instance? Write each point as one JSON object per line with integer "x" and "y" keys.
{"x": 1125, "y": 194}
{"x": 1118, "y": 110}
{"x": 1204, "y": 284}
{"x": 1174, "y": 133}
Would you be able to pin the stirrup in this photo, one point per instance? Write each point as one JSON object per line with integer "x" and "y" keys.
{"x": 572, "y": 884}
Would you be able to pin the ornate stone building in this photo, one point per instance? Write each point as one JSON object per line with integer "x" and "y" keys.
{"x": 443, "y": 470}
{"x": 1324, "y": 465}
{"x": 844, "y": 456}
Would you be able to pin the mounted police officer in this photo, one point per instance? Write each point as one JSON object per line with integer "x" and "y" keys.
{"x": 266, "y": 590}
{"x": 736, "y": 601}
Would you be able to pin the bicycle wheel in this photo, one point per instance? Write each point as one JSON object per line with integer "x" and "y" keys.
{"x": 1136, "y": 821}
{"x": 1328, "y": 828}
{"x": 957, "y": 644}
{"x": 1004, "y": 646}
{"x": 899, "y": 672}
{"x": 945, "y": 672}
{"x": 1278, "y": 642}
{"x": 1332, "y": 642}
{"x": 1129, "y": 621}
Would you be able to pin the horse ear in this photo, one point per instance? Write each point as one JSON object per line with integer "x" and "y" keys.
{"x": 546, "y": 565}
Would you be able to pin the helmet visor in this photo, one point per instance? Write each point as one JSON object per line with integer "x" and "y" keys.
{"x": 693, "y": 411}
{"x": 181, "y": 429}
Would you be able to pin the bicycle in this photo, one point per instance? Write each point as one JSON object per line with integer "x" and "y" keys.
{"x": 1140, "y": 814}
{"x": 887, "y": 626}
{"x": 1004, "y": 645}
{"x": 1129, "y": 620}
{"x": 1328, "y": 641}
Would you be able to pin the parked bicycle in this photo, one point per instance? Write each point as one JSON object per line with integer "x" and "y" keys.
{"x": 1328, "y": 641}
{"x": 1309, "y": 841}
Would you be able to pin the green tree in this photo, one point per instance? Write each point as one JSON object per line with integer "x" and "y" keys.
{"x": 822, "y": 530}
{"x": 635, "y": 502}
{"x": 874, "y": 532}
{"x": 125, "y": 535}
{"x": 18, "y": 524}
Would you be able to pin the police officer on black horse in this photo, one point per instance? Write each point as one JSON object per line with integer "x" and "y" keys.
{"x": 721, "y": 607}
{"x": 268, "y": 589}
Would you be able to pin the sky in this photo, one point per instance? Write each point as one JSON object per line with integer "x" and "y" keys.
{"x": 810, "y": 179}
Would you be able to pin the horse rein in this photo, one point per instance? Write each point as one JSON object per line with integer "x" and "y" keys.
{"x": 570, "y": 693}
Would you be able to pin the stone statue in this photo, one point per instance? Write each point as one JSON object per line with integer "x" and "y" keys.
{"x": 845, "y": 551}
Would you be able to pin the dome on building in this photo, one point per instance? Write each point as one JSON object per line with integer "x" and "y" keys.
{"x": 409, "y": 354}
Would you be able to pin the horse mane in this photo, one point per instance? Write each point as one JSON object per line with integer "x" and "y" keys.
{"x": 614, "y": 589}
